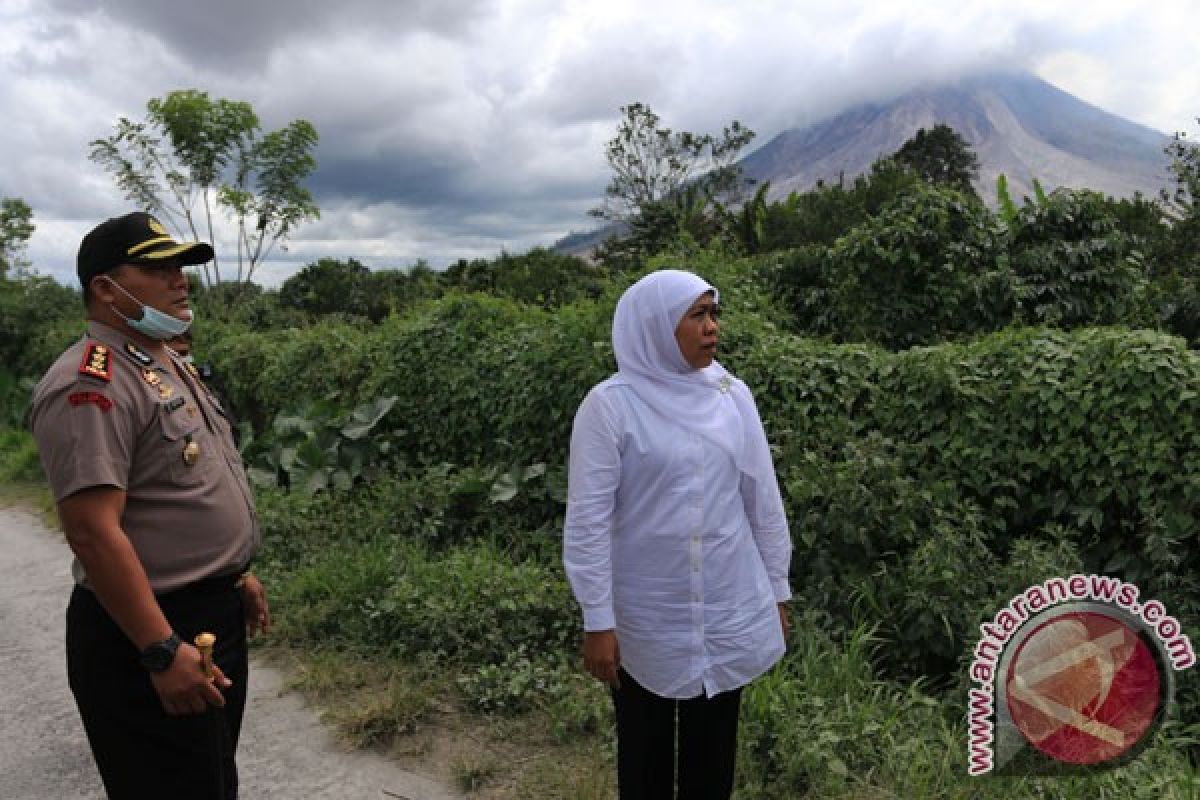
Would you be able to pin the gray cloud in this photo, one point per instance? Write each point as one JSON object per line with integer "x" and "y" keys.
{"x": 243, "y": 33}
{"x": 456, "y": 129}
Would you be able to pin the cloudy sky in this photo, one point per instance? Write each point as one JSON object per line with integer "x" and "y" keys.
{"x": 460, "y": 128}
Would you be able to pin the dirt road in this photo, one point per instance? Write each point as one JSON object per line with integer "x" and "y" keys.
{"x": 284, "y": 752}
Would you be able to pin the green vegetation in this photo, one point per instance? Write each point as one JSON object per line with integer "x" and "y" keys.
{"x": 16, "y": 226}
{"x": 961, "y": 403}
{"x": 191, "y": 148}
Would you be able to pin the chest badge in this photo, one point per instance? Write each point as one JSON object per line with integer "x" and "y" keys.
{"x": 191, "y": 453}
{"x": 139, "y": 356}
{"x": 165, "y": 391}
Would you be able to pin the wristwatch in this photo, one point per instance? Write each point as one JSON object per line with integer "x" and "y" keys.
{"x": 158, "y": 655}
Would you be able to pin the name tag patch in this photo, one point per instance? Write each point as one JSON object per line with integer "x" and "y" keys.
{"x": 90, "y": 398}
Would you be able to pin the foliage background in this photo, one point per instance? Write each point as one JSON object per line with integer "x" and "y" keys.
{"x": 961, "y": 402}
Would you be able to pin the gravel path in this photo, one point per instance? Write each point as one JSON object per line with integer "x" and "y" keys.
{"x": 284, "y": 753}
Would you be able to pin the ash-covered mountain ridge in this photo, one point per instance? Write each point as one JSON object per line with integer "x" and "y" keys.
{"x": 1019, "y": 125}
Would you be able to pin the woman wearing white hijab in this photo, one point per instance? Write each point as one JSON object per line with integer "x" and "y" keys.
{"x": 675, "y": 544}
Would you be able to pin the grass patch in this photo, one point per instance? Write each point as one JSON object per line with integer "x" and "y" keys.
{"x": 19, "y": 462}
{"x": 33, "y": 497}
{"x": 473, "y": 773}
{"x": 370, "y": 703}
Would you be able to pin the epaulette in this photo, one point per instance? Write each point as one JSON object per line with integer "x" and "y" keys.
{"x": 97, "y": 361}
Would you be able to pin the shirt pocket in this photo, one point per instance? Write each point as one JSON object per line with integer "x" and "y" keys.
{"x": 188, "y": 452}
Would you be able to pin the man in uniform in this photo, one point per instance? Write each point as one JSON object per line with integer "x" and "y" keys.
{"x": 155, "y": 505}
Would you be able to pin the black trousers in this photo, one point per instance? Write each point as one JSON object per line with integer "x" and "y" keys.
{"x": 141, "y": 751}
{"x": 646, "y": 735}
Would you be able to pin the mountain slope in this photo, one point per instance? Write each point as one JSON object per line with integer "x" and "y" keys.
{"x": 1018, "y": 125}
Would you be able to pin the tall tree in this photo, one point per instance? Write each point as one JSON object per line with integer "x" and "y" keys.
{"x": 652, "y": 164}
{"x": 1182, "y": 201}
{"x": 266, "y": 197}
{"x": 941, "y": 157}
{"x": 16, "y": 227}
{"x": 192, "y": 149}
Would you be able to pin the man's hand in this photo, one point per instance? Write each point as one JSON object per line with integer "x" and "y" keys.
{"x": 183, "y": 687}
{"x": 785, "y": 621}
{"x": 602, "y": 656}
{"x": 254, "y": 599}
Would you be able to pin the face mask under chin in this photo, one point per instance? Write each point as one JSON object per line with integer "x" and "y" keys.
{"x": 153, "y": 323}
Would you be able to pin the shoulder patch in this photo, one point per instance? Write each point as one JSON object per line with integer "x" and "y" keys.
{"x": 142, "y": 358}
{"x": 90, "y": 398}
{"x": 97, "y": 361}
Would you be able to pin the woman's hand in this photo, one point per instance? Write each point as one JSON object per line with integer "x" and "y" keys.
{"x": 785, "y": 621}
{"x": 602, "y": 656}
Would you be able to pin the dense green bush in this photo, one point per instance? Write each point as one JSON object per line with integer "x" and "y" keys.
{"x": 19, "y": 462}
{"x": 540, "y": 277}
{"x": 470, "y": 604}
{"x": 910, "y": 478}
{"x": 38, "y": 319}
{"x": 1073, "y": 264}
{"x": 926, "y": 269}
{"x": 329, "y": 285}
{"x": 1095, "y": 430}
{"x": 15, "y": 395}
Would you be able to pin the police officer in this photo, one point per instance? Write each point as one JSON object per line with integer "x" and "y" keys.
{"x": 155, "y": 505}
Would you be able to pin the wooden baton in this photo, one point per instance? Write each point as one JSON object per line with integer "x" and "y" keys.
{"x": 204, "y": 643}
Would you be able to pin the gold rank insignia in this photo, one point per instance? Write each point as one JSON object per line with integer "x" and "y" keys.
{"x": 165, "y": 391}
{"x": 151, "y": 377}
{"x": 191, "y": 410}
{"x": 191, "y": 453}
{"x": 97, "y": 361}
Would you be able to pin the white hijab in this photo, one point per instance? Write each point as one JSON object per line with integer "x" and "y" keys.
{"x": 710, "y": 402}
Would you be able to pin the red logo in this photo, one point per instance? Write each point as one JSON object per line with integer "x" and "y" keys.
{"x": 1084, "y": 688}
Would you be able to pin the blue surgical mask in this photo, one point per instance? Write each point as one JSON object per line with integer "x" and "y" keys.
{"x": 154, "y": 323}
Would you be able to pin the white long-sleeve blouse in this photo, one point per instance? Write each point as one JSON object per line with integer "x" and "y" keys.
{"x": 668, "y": 543}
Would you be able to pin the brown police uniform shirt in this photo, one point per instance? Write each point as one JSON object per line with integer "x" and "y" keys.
{"x": 108, "y": 414}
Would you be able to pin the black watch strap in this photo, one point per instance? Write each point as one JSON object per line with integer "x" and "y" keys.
{"x": 159, "y": 655}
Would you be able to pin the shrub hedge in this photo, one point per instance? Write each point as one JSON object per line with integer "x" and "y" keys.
{"x": 911, "y": 478}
